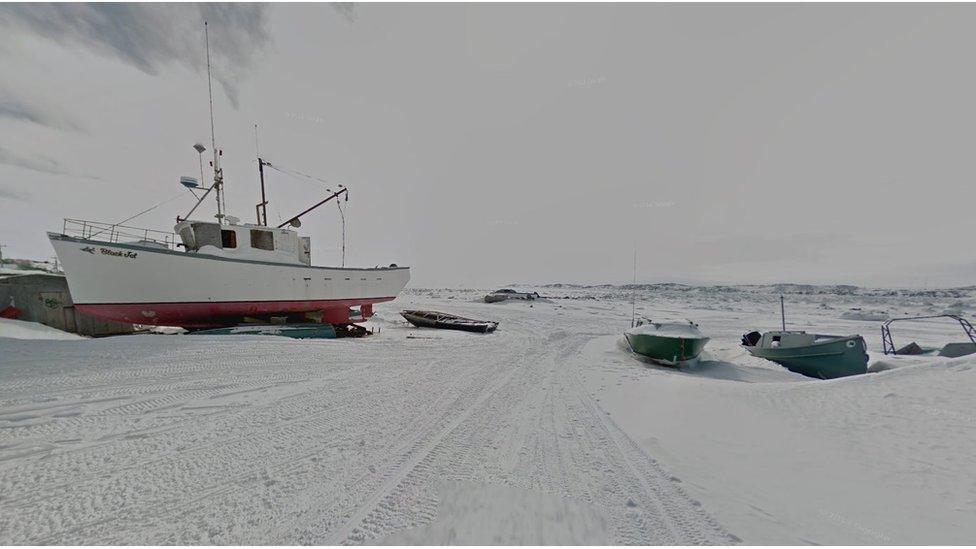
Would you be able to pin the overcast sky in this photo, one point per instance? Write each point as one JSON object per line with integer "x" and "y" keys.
{"x": 491, "y": 144}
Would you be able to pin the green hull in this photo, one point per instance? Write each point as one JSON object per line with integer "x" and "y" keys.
{"x": 838, "y": 358}
{"x": 670, "y": 351}
{"x": 296, "y": 331}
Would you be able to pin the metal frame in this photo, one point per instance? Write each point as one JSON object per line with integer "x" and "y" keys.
{"x": 889, "y": 344}
{"x": 333, "y": 195}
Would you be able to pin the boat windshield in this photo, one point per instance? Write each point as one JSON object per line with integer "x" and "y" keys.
{"x": 197, "y": 235}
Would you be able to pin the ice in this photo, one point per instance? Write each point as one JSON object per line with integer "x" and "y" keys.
{"x": 546, "y": 431}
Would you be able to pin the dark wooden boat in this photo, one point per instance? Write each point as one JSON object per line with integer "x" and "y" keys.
{"x": 445, "y": 321}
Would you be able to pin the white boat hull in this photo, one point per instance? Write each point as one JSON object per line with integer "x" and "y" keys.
{"x": 143, "y": 284}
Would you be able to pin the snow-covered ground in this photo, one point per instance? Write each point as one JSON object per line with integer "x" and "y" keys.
{"x": 547, "y": 431}
{"x": 20, "y": 329}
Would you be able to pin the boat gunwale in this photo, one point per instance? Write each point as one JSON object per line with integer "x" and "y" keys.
{"x": 703, "y": 337}
{"x": 813, "y": 355}
{"x": 63, "y": 237}
{"x": 834, "y": 339}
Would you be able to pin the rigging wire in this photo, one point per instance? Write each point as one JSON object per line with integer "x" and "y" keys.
{"x": 167, "y": 201}
{"x": 296, "y": 173}
{"x": 147, "y": 210}
{"x": 300, "y": 175}
{"x": 342, "y": 215}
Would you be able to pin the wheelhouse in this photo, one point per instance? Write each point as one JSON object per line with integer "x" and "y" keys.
{"x": 244, "y": 241}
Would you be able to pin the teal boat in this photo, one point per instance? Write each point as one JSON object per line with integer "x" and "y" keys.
{"x": 813, "y": 355}
{"x": 667, "y": 343}
{"x": 296, "y": 331}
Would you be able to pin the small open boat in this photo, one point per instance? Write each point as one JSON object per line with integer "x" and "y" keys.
{"x": 813, "y": 355}
{"x": 667, "y": 343}
{"x": 445, "y": 321}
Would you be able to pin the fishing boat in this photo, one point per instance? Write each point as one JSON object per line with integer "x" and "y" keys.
{"x": 219, "y": 274}
{"x": 213, "y": 273}
{"x": 667, "y": 343}
{"x": 436, "y": 319}
{"x": 813, "y": 355}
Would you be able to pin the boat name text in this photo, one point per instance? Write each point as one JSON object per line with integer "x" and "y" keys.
{"x": 118, "y": 253}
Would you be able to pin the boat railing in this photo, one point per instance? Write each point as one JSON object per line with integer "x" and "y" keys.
{"x": 114, "y": 233}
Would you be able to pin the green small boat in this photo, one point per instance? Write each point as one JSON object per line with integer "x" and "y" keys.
{"x": 667, "y": 343}
{"x": 296, "y": 331}
{"x": 813, "y": 355}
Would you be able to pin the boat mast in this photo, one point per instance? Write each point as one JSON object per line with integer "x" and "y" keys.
{"x": 218, "y": 173}
{"x": 261, "y": 209}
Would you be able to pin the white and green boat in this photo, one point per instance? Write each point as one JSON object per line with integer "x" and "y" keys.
{"x": 813, "y": 355}
{"x": 667, "y": 343}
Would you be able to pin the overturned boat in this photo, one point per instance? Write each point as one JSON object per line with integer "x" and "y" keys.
{"x": 436, "y": 319}
{"x": 506, "y": 294}
{"x": 294, "y": 331}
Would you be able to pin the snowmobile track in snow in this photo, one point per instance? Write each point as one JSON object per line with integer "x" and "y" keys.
{"x": 256, "y": 440}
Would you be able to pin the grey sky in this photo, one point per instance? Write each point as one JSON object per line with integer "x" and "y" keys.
{"x": 487, "y": 144}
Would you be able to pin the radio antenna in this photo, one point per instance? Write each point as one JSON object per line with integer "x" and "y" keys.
{"x": 257, "y": 150}
{"x": 633, "y": 293}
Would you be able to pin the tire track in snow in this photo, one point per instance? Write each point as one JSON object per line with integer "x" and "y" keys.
{"x": 661, "y": 514}
{"x": 348, "y": 456}
{"x": 351, "y": 530}
{"x": 284, "y": 433}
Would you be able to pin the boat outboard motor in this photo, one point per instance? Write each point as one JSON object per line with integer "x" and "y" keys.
{"x": 750, "y": 339}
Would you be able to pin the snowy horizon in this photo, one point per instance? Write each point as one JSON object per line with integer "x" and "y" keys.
{"x": 484, "y": 143}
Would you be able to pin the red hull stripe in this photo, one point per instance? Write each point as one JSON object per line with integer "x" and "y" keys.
{"x": 197, "y": 314}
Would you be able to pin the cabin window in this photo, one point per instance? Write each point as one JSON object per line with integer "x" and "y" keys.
{"x": 228, "y": 238}
{"x": 262, "y": 240}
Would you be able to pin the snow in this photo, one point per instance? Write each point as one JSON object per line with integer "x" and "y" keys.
{"x": 547, "y": 431}
{"x": 7, "y": 271}
{"x": 669, "y": 329}
{"x": 20, "y": 329}
{"x": 858, "y": 314}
